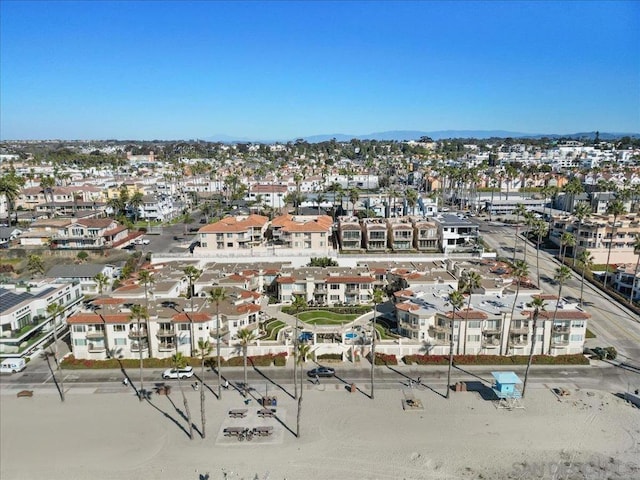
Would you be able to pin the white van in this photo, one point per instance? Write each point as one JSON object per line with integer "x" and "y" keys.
{"x": 12, "y": 365}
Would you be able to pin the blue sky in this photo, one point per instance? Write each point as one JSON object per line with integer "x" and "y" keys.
{"x": 283, "y": 70}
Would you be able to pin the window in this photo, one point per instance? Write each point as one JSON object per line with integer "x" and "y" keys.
{"x": 335, "y": 286}
{"x": 120, "y": 341}
{"x": 474, "y": 324}
{"x": 119, "y": 328}
{"x": 579, "y": 324}
{"x": 576, "y": 337}
{"x": 80, "y": 342}
{"x": 183, "y": 327}
{"x": 79, "y": 328}
{"x": 473, "y": 338}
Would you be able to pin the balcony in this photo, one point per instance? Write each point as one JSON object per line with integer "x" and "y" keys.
{"x": 519, "y": 329}
{"x": 491, "y": 330}
{"x": 352, "y": 290}
{"x": 559, "y": 342}
{"x": 95, "y": 334}
{"x": 439, "y": 328}
{"x": 166, "y": 347}
{"x": 491, "y": 343}
{"x": 320, "y": 290}
{"x": 96, "y": 347}
{"x": 166, "y": 332}
{"x": 561, "y": 329}
{"x": 519, "y": 343}
{"x": 137, "y": 346}
{"x": 223, "y": 331}
{"x": 137, "y": 333}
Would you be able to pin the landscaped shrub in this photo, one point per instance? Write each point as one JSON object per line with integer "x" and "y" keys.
{"x": 577, "y": 359}
{"x": 385, "y": 359}
{"x": 280, "y": 360}
{"x": 330, "y": 357}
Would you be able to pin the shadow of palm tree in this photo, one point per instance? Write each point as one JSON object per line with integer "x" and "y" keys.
{"x": 166, "y": 415}
{"x": 472, "y": 374}
{"x": 268, "y": 379}
{"x": 206, "y": 385}
{"x": 55, "y": 380}
{"x": 411, "y": 380}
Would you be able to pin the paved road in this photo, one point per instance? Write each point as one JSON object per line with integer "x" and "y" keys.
{"x": 601, "y": 376}
{"x": 612, "y": 323}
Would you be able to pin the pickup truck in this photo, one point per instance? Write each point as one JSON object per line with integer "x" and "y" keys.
{"x": 141, "y": 241}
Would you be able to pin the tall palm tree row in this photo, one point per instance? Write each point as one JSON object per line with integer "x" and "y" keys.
{"x": 615, "y": 208}
{"x": 299, "y": 303}
{"x": 138, "y": 314}
{"x": 519, "y": 211}
{"x": 471, "y": 280}
{"x": 563, "y": 273}
{"x": 192, "y": 274}
{"x": 456, "y": 300}
{"x": 204, "y": 350}
{"x": 179, "y": 361}
{"x": 303, "y": 353}
{"x": 538, "y": 306}
{"x": 581, "y": 211}
{"x": 56, "y": 310}
{"x": 540, "y": 230}
{"x": 146, "y": 279}
{"x": 377, "y": 299}
{"x": 520, "y": 271}
{"x": 566, "y": 240}
{"x": 217, "y": 295}
{"x": 245, "y": 337}
{"x": 586, "y": 260}
{"x": 10, "y": 185}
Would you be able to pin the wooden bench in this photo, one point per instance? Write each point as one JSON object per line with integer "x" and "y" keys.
{"x": 238, "y": 413}
{"x": 25, "y": 393}
{"x": 266, "y": 413}
{"x": 262, "y": 431}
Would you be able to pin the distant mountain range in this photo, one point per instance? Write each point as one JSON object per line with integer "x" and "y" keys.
{"x": 401, "y": 135}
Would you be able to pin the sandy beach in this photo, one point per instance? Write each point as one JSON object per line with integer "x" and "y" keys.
{"x": 108, "y": 434}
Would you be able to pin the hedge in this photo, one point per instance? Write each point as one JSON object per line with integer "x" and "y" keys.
{"x": 577, "y": 359}
{"x": 329, "y": 356}
{"x": 384, "y": 359}
{"x": 72, "y": 363}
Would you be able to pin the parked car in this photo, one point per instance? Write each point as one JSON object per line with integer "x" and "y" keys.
{"x": 186, "y": 372}
{"x": 321, "y": 372}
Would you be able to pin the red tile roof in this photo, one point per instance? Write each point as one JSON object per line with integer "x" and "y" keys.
{"x": 93, "y": 318}
{"x": 349, "y": 280}
{"x": 196, "y": 317}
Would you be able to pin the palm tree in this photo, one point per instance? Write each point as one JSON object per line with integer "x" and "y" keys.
{"x": 471, "y": 281}
{"x": 456, "y": 299}
{"x": 204, "y": 350}
{"x": 520, "y": 271}
{"x": 192, "y": 274}
{"x": 179, "y": 361}
{"x": 299, "y": 303}
{"x": 636, "y": 250}
{"x": 540, "y": 230}
{"x": 303, "y": 353}
{"x": 146, "y": 278}
{"x": 530, "y": 221}
{"x": 563, "y": 273}
{"x": 245, "y": 336}
{"x": 139, "y": 313}
{"x": 582, "y": 211}
{"x": 538, "y": 306}
{"x": 615, "y": 208}
{"x": 377, "y": 299}
{"x": 55, "y": 310}
{"x": 134, "y": 204}
{"x": 586, "y": 260}
{"x": 47, "y": 184}
{"x": 10, "y": 188}
{"x": 217, "y": 296}
{"x": 519, "y": 210}
{"x": 566, "y": 240}
{"x": 354, "y": 195}
{"x": 102, "y": 280}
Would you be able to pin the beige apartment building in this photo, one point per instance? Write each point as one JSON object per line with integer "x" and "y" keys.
{"x": 234, "y": 233}
{"x": 302, "y": 232}
{"x": 597, "y": 232}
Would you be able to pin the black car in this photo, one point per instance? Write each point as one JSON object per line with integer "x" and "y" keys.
{"x": 321, "y": 372}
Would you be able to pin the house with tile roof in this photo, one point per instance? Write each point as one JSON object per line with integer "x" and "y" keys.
{"x": 233, "y": 234}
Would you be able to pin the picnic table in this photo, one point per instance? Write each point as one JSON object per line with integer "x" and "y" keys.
{"x": 266, "y": 413}
{"x": 262, "y": 431}
{"x": 238, "y": 413}
{"x": 241, "y": 433}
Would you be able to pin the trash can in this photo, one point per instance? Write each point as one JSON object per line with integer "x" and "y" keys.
{"x": 274, "y": 402}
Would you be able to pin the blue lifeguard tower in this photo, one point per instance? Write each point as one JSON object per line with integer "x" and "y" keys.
{"x": 505, "y": 389}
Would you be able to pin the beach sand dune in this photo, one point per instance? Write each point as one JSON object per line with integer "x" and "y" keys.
{"x": 343, "y": 435}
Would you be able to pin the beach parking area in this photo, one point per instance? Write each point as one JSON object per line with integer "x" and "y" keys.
{"x": 109, "y": 434}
